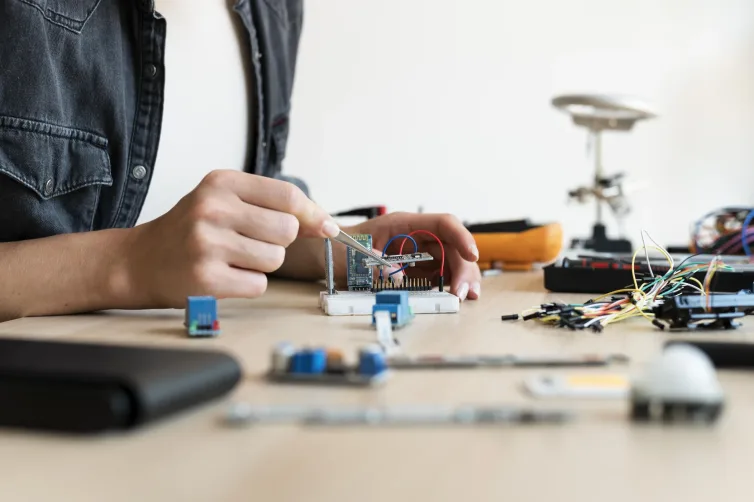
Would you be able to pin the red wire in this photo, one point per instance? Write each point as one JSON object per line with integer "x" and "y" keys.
{"x": 442, "y": 248}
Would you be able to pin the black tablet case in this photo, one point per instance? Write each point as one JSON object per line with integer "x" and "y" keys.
{"x": 84, "y": 388}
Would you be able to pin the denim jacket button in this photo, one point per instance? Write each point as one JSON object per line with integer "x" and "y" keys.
{"x": 139, "y": 172}
{"x": 48, "y": 187}
{"x": 150, "y": 70}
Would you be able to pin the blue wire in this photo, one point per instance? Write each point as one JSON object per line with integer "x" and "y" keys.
{"x": 384, "y": 252}
{"x": 745, "y": 232}
{"x": 404, "y": 267}
{"x": 416, "y": 246}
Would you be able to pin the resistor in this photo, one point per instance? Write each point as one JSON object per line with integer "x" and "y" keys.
{"x": 335, "y": 360}
{"x": 281, "y": 357}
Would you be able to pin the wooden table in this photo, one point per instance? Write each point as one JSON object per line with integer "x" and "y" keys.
{"x": 600, "y": 456}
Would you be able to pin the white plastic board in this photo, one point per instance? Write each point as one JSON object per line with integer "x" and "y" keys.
{"x": 361, "y": 302}
{"x": 385, "y": 338}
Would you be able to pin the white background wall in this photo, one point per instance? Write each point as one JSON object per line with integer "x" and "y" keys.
{"x": 447, "y": 104}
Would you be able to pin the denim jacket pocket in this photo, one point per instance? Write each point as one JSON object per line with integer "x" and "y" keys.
{"x": 69, "y": 14}
{"x": 50, "y": 178}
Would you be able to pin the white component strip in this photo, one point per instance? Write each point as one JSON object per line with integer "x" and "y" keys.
{"x": 384, "y": 326}
{"x": 361, "y": 302}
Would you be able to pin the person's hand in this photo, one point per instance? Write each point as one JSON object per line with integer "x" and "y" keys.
{"x": 221, "y": 239}
{"x": 461, "y": 271}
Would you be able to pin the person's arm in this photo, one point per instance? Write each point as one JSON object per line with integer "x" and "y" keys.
{"x": 63, "y": 274}
{"x": 220, "y": 240}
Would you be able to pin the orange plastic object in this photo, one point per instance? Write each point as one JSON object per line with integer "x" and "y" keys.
{"x": 519, "y": 250}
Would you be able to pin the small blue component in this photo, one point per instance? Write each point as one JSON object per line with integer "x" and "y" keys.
{"x": 201, "y": 316}
{"x": 297, "y": 363}
{"x": 310, "y": 361}
{"x": 396, "y": 303}
{"x": 390, "y": 297}
{"x": 371, "y": 362}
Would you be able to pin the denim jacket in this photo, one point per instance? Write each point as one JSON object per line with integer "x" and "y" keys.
{"x": 81, "y": 98}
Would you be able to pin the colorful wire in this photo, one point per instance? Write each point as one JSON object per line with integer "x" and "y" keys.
{"x": 724, "y": 231}
{"x": 745, "y": 233}
{"x": 384, "y": 251}
{"x": 636, "y": 301}
{"x": 442, "y": 248}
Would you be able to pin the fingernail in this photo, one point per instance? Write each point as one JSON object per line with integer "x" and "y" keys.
{"x": 475, "y": 251}
{"x": 476, "y": 288}
{"x": 330, "y": 228}
{"x": 463, "y": 291}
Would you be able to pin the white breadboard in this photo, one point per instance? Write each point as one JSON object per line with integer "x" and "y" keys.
{"x": 361, "y": 302}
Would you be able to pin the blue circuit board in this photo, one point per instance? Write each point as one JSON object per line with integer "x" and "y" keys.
{"x": 359, "y": 277}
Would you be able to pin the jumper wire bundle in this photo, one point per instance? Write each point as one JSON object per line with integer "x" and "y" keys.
{"x": 636, "y": 301}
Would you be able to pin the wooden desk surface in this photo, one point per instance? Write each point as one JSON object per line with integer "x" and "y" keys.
{"x": 195, "y": 457}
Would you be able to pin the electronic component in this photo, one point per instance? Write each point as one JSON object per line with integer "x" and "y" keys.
{"x": 328, "y": 367}
{"x": 723, "y": 354}
{"x": 359, "y": 299}
{"x": 597, "y": 273}
{"x": 724, "y": 231}
{"x": 509, "y": 317}
{"x": 409, "y": 258}
{"x": 713, "y": 311}
{"x": 384, "y": 327}
{"x": 405, "y": 284}
{"x": 597, "y": 386}
{"x": 672, "y": 293}
{"x": 395, "y": 303}
{"x": 243, "y": 414}
{"x": 516, "y": 245}
{"x": 359, "y": 277}
{"x": 504, "y": 361}
{"x": 201, "y": 316}
{"x": 350, "y": 242}
{"x": 680, "y": 386}
{"x": 361, "y": 302}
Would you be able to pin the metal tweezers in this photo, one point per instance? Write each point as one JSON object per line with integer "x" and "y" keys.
{"x": 353, "y": 243}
